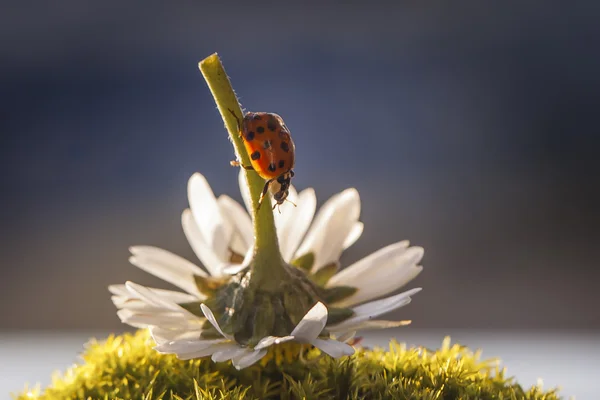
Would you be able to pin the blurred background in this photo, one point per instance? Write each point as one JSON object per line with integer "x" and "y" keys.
{"x": 471, "y": 130}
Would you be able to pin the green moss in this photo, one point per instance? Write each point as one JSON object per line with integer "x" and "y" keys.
{"x": 126, "y": 367}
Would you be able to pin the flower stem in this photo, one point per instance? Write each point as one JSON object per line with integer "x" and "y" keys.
{"x": 267, "y": 264}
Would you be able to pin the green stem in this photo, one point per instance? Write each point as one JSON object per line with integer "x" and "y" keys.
{"x": 267, "y": 263}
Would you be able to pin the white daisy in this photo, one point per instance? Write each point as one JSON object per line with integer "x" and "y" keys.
{"x": 221, "y": 234}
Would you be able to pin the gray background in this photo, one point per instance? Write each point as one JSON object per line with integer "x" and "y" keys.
{"x": 469, "y": 129}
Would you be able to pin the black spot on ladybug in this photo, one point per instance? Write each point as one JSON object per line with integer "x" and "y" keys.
{"x": 272, "y": 125}
{"x": 250, "y": 135}
{"x": 255, "y": 155}
{"x": 281, "y": 163}
{"x": 260, "y": 129}
{"x": 285, "y": 146}
{"x": 272, "y": 167}
{"x": 256, "y": 117}
{"x": 267, "y": 144}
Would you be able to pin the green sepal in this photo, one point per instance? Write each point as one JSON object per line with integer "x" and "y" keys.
{"x": 338, "y": 293}
{"x": 296, "y": 304}
{"x": 236, "y": 302}
{"x": 336, "y": 315}
{"x": 323, "y": 275}
{"x": 304, "y": 262}
{"x": 264, "y": 319}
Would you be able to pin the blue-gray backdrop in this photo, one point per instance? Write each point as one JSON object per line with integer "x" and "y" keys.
{"x": 470, "y": 129}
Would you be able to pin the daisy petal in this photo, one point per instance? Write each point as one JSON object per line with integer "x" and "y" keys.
{"x": 287, "y": 208}
{"x": 249, "y": 359}
{"x": 296, "y": 226}
{"x": 228, "y": 354}
{"x": 187, "y": 346}
{"x": 284, "y": 219}
{"x": 215, "y": 230}
{"x": 176, "y": 276}
{"x": 119, "y": 290}
{"x": 211, "y": 318}
{"x": 333, "y": 347}
{"x": 271, "y": 340}
{"x": 312, "y": 323}
{"x": 153, "y": 299}
{"x": 162, "y": 256}
{"x": 168, "y": 320}
{"x": 371, "y": 324}
{"x": 207, "y": 351}
{"x": 354, "y": 234}
{"x": 163, "y": 336}
{"x": 245, "y": 190}
{"x": 240, "y": 221}
{"x": 373, "y": 309}
{"x": 380, "y": 273}
{"x": 171, "y": 295}
{"x": 211, "y": 261}
{"x": 332, "y": 225}
{"x": 344, "y": 337}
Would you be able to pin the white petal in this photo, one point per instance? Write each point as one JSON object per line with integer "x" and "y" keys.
{"x": 332, "y": 225}
{"x": 249, "y": 359}
{"x": 125, "y": 316}
{"x": 380, "y": 273}
{"x": 177, "y": 275}
{"x": 373, "y": 309}
{"x": 162, "y": 256}
{"x": 216, "y": 231}
{"x": 170, "y": 319}
{"x": 119, "y": 290}
{"x": 133, "y": 304}
{"x": 211, "y": 261}
{"x": 283, "y": 215}
{"x": 370, "y": 324}
{"x": 344, "y": 337}
{"x": 124, "y": 295}
{"x": 176, "y": 297}
{"x": 232, "y": 268}
{"x": 295, "y": 227}
{"x": 207, "y": 351}
{"x": 354, "y": 234}
{"x": 312, "y": 324}
{"x": 228, "y": 354}
{"x": 211, "y": 318}
{"x": 239, "y": 219}
{"x": 152, "y": 298}
{"x": 245, "y": 190}
{"x": 333, "y": 347}
{"x": 187, "y": 346}
{"x": 271, "y": 340}
{"x": 163, "y": 336}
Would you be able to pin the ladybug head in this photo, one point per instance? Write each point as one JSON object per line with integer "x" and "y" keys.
{"x": 280, "y": 187}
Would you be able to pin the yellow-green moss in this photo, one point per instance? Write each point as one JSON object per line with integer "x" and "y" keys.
{"x": 126, "y": 367}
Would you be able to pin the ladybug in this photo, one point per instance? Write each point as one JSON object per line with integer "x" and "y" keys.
{"x": 271, "y": 150}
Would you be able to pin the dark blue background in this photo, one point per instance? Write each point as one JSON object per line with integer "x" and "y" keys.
{"x": 470, "y": 129}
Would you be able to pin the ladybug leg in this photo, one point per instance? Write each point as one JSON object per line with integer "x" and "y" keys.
{"x": 264, "y": 192}
{"x": 235, "y": 163}
{"x": 289, "y": 201}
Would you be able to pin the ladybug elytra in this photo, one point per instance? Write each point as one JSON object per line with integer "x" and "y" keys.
{"x": 271, "y": 149}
